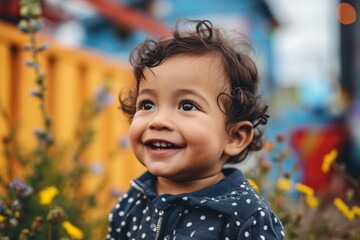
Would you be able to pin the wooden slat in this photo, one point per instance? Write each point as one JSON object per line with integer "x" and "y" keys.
{"x": 5, "y": 76}
{"x": 66, "y": 103}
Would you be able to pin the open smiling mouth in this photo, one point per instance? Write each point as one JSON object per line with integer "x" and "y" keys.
{"x": 161, "y": 145}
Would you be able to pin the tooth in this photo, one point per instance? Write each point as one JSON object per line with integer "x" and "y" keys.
{"x": 163, "y": 144}
{"x": 157, "y": 144}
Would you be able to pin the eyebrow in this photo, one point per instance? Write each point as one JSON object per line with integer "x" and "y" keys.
{"x": 180, "y": 91}
{"x": 193, "y": 92}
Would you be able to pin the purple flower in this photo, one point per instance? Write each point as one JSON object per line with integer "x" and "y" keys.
{"x": 97, "y": 168}
{"x": 36, "y": 93}
{"x": 124, "y": 142}
{"x": 17, "y": 205}
{"x": 2, "y": 206}
{"x": 40, "y": 135}
{"x": 103, "y": 97}
{"x": 20, "y": 187}
{"x": 115, "y": 192}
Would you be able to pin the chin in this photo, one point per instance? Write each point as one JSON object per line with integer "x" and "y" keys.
{"x": 159, "y": 172}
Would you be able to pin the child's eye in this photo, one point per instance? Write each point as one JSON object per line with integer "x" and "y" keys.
{"x": 188, "y": 106}
{"x": 146, "y": 105}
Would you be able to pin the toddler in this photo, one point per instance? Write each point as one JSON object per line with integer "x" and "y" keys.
{"x": 193, "y": 109}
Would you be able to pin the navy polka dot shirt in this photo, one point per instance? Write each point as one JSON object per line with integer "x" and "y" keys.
{"x": 228, "y": 210}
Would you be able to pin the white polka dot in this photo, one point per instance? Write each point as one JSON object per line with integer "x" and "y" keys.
{"x": 143, "y": 235}
{"x": 148, "y": 218}
{"x": 186, "y": 211}
{"x": 185, "y": 198}
{"x": 242, "y": 185}
{"x": 237, "y": 223}
{"x": 131, "y": 200}
{"x": 134, "y": 219}
{"x": 233, "y": 192}
{"x": 246, "y": 234}
{"x": 121, "y": 213}
{"x": 138, "y": 202}
{"x": 228, "y": 225}
{"x": 262, "y": 237}
{"x": 226, "y": 238}
{"x": 123, "y": 223}
{"x": 163, "y": 199}
{"x": 192, "y": 233}
{"x": 117, "y": 206}
{"x": 235, "y": 213}
{"x": 262, "y": 213}
{"x": 135, "y": 227}
{"x": 275, "y": 219}
{"x": 282, "y": 233}
{"x": 248, "y": 201}
{"x": 211, "y": 228}
{"x": 234, "y": 204}
{"x": 110, "y": 217}
{"x": 202, "y": 217}
{"x": 189, "y": 224}
{"x": 220, "y": 215}
{"x": 202, "y": 201}
{"x": 254, "y": 222}
{"x": 128, "y": 234}
{"x": 140, "y": 227}
{"x": 125, "y": 195}
{"x": 265, "y": 227}
{"x": 118, "y": 230}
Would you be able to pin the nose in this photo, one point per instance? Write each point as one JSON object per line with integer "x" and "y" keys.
{"x": 162, "y": 120}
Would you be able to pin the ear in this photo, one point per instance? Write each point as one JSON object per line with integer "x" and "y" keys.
{"x": 241, "y": 136}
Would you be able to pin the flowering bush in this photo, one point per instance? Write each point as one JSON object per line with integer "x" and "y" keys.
{"x": 306, "y": 214}
{"x": 44, "y": 202}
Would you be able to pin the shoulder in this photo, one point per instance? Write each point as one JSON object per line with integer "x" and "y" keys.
{"x": 263, "y": 224}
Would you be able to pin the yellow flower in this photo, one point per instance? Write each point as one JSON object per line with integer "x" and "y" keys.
{"x": 253, "y": 184}
{"x": 268, "y": 147}
{"x": 284, "y": 184}
{"x": 344, "y": 209}
{"x": 17, "y": 214}
{"x": 47, "y": 195}
{"x": 304, "y": 189}
{"x": 328, "y": 160}
{"x": 311, "y": 201}
{"x": 2, "y": 218}
{"x": 73, "y": 231}
{"x": 356, "y": 210}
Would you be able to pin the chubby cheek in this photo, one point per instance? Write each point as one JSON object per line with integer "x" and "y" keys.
{"x": 135, "y": 133}
{"x": 206, "y": 135}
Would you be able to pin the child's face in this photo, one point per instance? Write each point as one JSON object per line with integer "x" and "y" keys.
{"x": 178, "y": 131}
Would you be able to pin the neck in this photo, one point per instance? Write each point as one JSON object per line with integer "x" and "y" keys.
{"x": 168, "y": 186}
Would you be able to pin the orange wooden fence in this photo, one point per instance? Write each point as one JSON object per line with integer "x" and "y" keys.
{"x": 73, "y": 75}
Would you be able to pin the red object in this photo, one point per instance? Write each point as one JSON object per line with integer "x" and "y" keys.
{"x": 311, "y": 145}
{"x": 130, "y": 17}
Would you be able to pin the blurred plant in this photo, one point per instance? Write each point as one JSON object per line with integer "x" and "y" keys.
{"x": 305, "y": 213}
{"x": 44, "y": 202}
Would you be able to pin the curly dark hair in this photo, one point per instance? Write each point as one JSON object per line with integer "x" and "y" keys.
{"x": 239, "y": 102}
